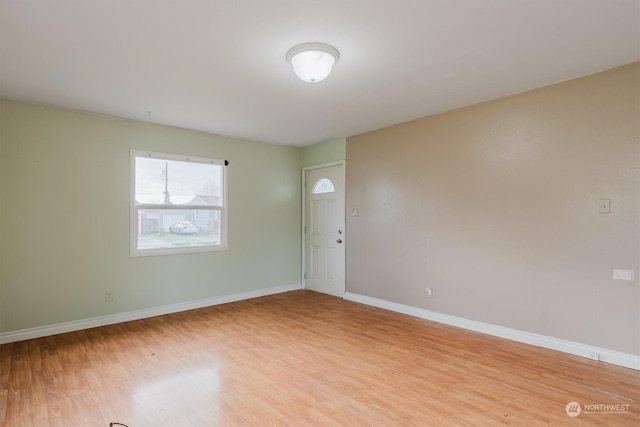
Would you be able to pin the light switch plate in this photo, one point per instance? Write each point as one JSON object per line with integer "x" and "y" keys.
{"x": 604, "y": 206}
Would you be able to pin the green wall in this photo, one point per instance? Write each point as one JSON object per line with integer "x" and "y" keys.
{"x": 64, "y": 187}
{"x": 326, "y": 152}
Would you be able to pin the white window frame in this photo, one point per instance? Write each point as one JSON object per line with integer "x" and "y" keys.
{"x": 133, "y": 215}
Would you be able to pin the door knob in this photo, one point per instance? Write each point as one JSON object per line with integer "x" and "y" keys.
{"x": 339, "y": 241}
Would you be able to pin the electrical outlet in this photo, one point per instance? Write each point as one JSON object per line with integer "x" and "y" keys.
{"x": 623, "y": 275}
{"x": 429, "y": 292}
{"x": 108, "y": 296}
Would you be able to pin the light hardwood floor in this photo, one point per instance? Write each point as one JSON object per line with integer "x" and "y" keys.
{"x": 300, "y": 358}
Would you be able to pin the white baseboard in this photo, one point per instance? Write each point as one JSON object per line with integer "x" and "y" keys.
{"x": 609, "y": 356}
{"x": 60, "y": 328}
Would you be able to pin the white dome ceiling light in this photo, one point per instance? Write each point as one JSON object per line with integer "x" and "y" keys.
{"x": 312, "y": 62}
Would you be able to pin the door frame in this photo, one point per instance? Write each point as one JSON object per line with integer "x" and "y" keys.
{"x": 303, "y": 279}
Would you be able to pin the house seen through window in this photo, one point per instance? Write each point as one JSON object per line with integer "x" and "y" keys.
{"x": 178, "y": 204}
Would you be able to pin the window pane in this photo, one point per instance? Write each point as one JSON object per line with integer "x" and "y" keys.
{"x": 176, "y": 228}
{"x": 323, "y": 185}
{"x": 177, "y": 204}
{"x": 160, "y": 181}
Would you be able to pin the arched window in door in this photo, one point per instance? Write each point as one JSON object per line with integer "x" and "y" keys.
{"x": 323, "y": 185}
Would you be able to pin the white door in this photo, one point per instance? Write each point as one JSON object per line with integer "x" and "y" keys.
{"x": 324, "y": 230}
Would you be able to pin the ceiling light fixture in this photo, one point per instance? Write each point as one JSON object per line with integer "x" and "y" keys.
{"x": 312, "y": 62}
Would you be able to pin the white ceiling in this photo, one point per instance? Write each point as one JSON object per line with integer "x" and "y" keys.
{"x": 219, "y": 65}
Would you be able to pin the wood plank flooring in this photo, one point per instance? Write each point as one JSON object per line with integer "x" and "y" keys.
{"x": 301, "y": 358}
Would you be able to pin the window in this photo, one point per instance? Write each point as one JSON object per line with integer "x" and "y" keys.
{"x": 323, "y": 185}
{"x": 178, "y": 204}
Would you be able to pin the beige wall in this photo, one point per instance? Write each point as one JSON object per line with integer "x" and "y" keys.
{"x": 65, "y": 218}
{"x": 495, "y": 207}
{"x": 1, "y": 221}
